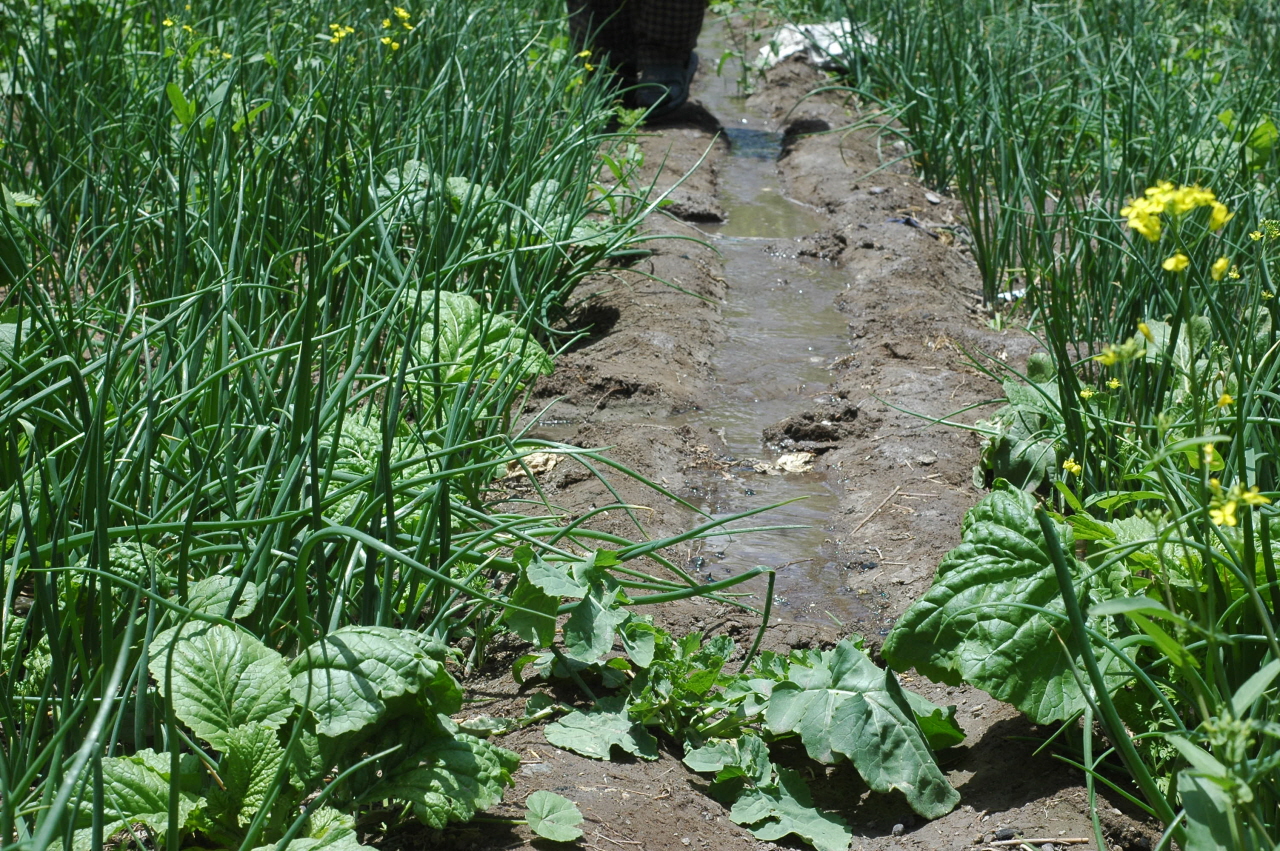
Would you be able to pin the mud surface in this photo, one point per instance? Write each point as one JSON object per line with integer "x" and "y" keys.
{"x": 832, "y": 295}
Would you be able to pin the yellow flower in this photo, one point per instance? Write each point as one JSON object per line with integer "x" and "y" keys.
{"x": 1219, "y": 268}
{"x": 1219, "y": 216}
{"x": 1176, "y": 263}
{"x": 1268, "y": 295}
{"x": 187, "y": 28}
{"x": 1072, "y": 467}
{"x": 583, "y": 54}
{"x": 1145, "y": 330}
{"x": 1255, "y": 235}
{"x": 386, "y": 23}
{"x": 226, "y": 55}
{"x": 1224, "y": 515}
{"x": 587, "y": 66}
{"x": 1087, "y": 394}
{"x": 1114, "y": 383}
{"x": 1252, "y": 497}
{"x": 401, "y": 13}
{"x": 168, "y": 22}
{"x": 389, "y": 42}
{"x": 1234, "y": 274}
{"x": 1225, "y": 400}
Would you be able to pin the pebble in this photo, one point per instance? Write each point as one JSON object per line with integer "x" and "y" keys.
{"x": 1048, "y": 846}
{"x": 878, "y": 190}
{"x": 684, "y": 840}
{"x": 898, "y": 830}
{"x": 1005, "y": 833}
{"x": 932, "y": 198}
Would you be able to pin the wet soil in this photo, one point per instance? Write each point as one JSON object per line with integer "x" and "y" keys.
{"x": 819, "y": 306}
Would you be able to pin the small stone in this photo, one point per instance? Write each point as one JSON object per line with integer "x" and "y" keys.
{"x": 685, "y": 840}
{"x": 927, "y": 460}
{"x": 878, "y": 190}
{"x": 1048, "y": 846}
{"x": 979, "y": 839}
{"x": 898, "y": 830}
{"x": 1005, "y": 833}
{"x": 933, "y": 198}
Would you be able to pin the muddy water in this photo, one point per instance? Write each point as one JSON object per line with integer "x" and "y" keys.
{"x": 782, "y": 333}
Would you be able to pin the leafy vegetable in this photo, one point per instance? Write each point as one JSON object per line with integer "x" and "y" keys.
{"x": 844, "y": 706}
{"x": 221, "y": 679}
{"x": 774, "y": 810}
{"x": 993, "y": 615}
{"x": 445, "y": 778}
{"x": 553, "y": 816}
{"x": 594, "y": 734}
{"x": 346, "y": 679}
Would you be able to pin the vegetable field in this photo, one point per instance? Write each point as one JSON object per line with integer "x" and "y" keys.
{"x": 290, "y": 293}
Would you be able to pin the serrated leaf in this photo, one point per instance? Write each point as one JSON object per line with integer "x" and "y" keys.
{"x": 327, "y": 830}
{"x": 553, "y": 816}
{"x": 446, "y": 779}
{"x": 479, "y": 342}
{"x": 859, "y": 712}
{"x": 212, "y": 595}
{"x": 222, "y": 678}
{"x": 136, "y": 791}
{"x": 974, "y": 624}
{"x": 347, "y": 677}
{"x": 539, "y": 627}
{"x": 251, "y": 755}
{"x": 593, "y": 734}
{"x": 775, "y": 811}
{"x": 589, "y": 632}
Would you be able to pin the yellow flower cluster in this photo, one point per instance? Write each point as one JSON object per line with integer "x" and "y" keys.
{"x": 1267, "y": 229}
{"x": 1072, "y": 466}
{"x": 1222, "y": 510}
{"x": 1130, "y": 350}
{"x": 339, "y": 32}
{"x": 1164, "y": 198}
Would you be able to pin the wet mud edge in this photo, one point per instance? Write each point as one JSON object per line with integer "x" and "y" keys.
{"x": 911, "y": 303}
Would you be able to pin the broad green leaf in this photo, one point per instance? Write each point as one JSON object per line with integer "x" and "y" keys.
{"x": 212, "y": 595}
{"x": 1209, "y": 813}
{"x": 478, "y": 342}
{"x": 136, "y": 791}
{"x": 445, "y": 778}
{"x": 589, "y": 632}
{"x": 639, "y": 637}
{"x": 327, "y": 830}
{"x": 538, "y": 629}
{"x": 775, "y": 811}
{"x": 555, "y": 579}
{"x": 1254, "y": 688}
{"x": 735, "y": 763}
{"x": 857, "y": 711}
{"x": 593, "y": 734}
{"x": 937, "y": 723}
{"x": 222, "y": 678}
{"x": 251, "y": 755}
{"x": 183, "y": 109}
{"x": 553, "y": 816}
{"x": 347, "y": 677}
{"x": 984, "y": 620}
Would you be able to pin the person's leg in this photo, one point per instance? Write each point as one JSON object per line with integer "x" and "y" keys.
{"x": 606, "y": 28}
{"x": 666, "y": 31}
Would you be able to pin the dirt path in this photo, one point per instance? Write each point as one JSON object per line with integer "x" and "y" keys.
{"x": 813, "y": 322}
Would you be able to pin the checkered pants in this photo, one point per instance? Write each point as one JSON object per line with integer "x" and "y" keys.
{"x": 637, "y": 32}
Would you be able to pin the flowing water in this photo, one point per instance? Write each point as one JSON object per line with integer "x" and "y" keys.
{"x": 782, "y": 332}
